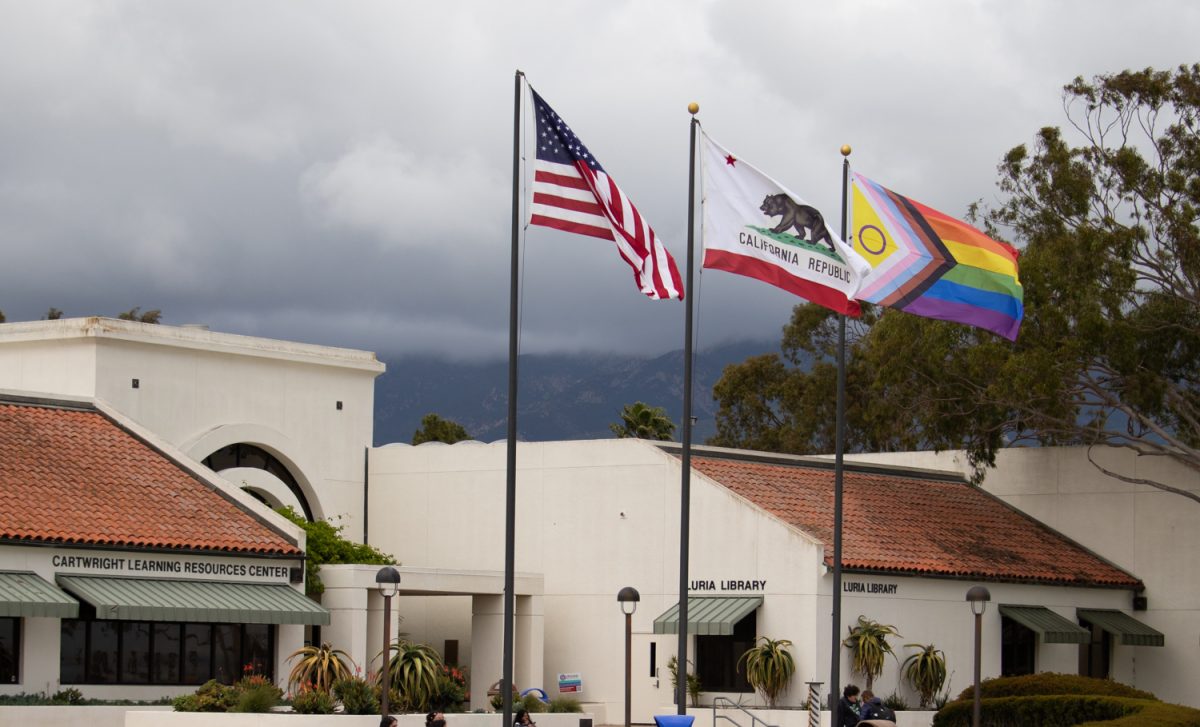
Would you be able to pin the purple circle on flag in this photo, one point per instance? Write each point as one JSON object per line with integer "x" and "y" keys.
{"x": 862, "y": 239}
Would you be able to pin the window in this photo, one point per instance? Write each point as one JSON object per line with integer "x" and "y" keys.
{"x": 1018, "y": 648}
{"x": 166, "y": 654}
{"x": 10, "y": 650}
{"x": 717, "y": 657}
{"x": 227, "y": 650}
{"x": 135, "y": 652}
{"x": 1094, "y": 655}
{"x": 248, "y": 455}
{"x": 197, "y": 653}
{"x": 103, "y": 640}
{"x": 141, "y": 652}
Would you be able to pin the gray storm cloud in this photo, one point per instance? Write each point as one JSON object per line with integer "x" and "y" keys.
{"x": 340, "y": 173}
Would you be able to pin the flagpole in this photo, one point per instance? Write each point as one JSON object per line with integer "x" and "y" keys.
{"x": 510, "y": 491}
{"x": 835, "y": 661}
{"x": 685, "y": 487}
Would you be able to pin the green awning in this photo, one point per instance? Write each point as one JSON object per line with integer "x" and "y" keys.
{"x": 147, "y": 599}
{"x": 24, "y": 594}
{"x": 708, "y": 615}
{"x": 1131, "y": 631}
{"x": 1052, "y": 628}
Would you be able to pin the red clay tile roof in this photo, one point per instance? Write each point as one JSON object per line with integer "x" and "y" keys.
{"x": 905, "y": 523}
{"x": 72, "y": 476}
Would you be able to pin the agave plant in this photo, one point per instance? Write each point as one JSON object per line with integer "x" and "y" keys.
{"x": 319, "y": 667}
{"x": 769, "y": 667}
{"x": 925, "y": 671}
{"x": 868, "y": 644}
{"x": 414, "y": 670}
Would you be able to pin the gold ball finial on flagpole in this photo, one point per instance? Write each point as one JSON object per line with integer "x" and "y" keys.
{"x": 845, "y": 150}
{"x": 693, "y": 108}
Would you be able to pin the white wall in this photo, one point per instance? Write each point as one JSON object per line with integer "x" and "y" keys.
{"x": 599, "y": 515}
{"x": 202, "y": 390}
{"x": 593, "y": 517}
{"x": 1148, "y": 532}
{"x": 930, "y": 610}
{"x": 59, "y": 366}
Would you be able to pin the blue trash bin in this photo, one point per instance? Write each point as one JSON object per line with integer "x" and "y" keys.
{"x": 674, "y": 720}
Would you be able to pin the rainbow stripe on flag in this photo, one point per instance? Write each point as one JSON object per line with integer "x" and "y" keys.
{"x": 931, "y": 265}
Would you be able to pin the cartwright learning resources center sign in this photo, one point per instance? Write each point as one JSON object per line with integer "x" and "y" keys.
{"x": 136, "y": 565}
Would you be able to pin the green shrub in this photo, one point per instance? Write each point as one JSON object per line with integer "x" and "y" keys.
{"x": 255, "y": 693}
{"x": 1046, "y": 711}
{"x": 1153, "y": 714}
{"x": 324, "y": 543}
{"x": 450, "y": 693}
{"x": 22, "y": 699}
{"x": 313, "y": 701}
{"x": 530, "y": 703}
{"x": 212, "y": 696}
{"x": 1069, "y": 710}
{"x": 497, "y": 701}
{"x": 1050, "y": 683}
{"x": 70, "y": 695}
{"x": 357, "y": 695}
{"x": 895, "y": 702}
{"x": 565, "y": 704}
{"x": 73, "y": 696}
{"x": 694, "y": 688}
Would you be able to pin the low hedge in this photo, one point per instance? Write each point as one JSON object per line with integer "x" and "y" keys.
{"x": 1050, "y": 683}
{"x": 1068, "y": 710}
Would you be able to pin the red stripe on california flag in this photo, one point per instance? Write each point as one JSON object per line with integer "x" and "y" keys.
{"x": 560, "y": 180}
{"x": 566, "y": 203}
{"x": 759, "y": 270}
{"x": 568, "y": 226}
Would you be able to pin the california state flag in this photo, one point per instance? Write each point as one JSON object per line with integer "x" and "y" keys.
{"x": 755, "y": 227}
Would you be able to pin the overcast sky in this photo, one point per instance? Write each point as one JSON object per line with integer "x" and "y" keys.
{"x": 340, "y": 172}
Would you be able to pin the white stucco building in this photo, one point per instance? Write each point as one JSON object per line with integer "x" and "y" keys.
{"x": 1085, "y": 573}
{"x": 596, "y": 516}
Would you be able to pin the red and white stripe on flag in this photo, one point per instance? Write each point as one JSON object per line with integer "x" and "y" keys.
{"x": 574, "y": 198}
{"x": 572, "y": 192}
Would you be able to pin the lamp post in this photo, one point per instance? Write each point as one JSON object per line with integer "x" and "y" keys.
{"x": 628, "y": 598}
{"x": 978, "y": 597}
{"x": 387, "y": 580}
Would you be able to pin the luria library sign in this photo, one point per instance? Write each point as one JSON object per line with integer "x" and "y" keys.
{"x": 730, "y": 585}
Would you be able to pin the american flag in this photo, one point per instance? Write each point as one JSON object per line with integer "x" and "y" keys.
{"x": 572, "y": 192}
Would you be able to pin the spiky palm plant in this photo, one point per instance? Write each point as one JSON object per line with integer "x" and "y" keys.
{"x": 925, "y": 671}
{"x": 319, "y": 667}
{"x": 769, "y": 667}
{"x": 414, "y": 670}
{"x": 868, "y": 645}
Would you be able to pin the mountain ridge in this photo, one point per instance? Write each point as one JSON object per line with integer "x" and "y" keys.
{"x": 559, "y": 396}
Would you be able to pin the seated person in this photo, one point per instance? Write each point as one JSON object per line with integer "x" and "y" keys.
{"x": 873, "y": 708}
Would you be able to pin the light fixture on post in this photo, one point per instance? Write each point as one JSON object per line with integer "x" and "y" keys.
{"x": 628, "y": 598}
{"x": 978, "y": 597}
{"x": 387, "y": 580}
